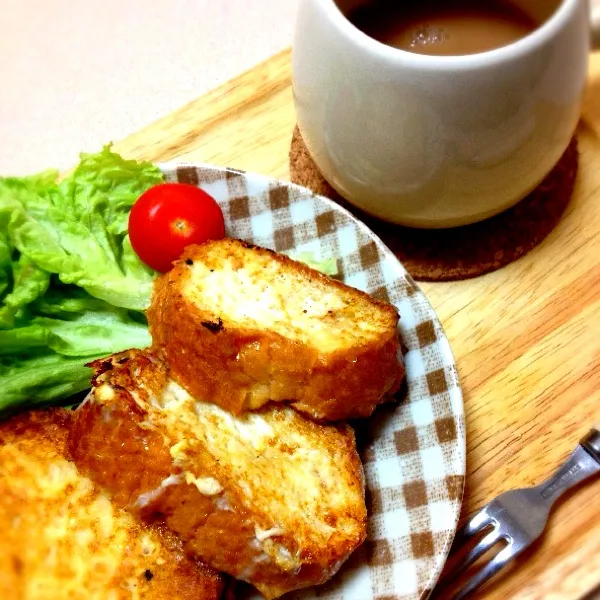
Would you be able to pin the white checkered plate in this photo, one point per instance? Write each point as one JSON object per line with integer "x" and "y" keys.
{"x": 413, "y": 451}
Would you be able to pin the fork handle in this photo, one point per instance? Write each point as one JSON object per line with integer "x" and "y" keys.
{"x": 591, "y": 442}
{"x": 583, "y": 463}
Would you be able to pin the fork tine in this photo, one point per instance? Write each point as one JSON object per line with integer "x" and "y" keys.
{"x": 476, "y": 524}
{"x": 476, "y": 552}
{"x": 485, "y": 573}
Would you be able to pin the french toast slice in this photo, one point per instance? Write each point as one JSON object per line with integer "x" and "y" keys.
{"x": 270, "y": 497}
{"x": 241, "y": 326}
{"x": 64, "y": 538}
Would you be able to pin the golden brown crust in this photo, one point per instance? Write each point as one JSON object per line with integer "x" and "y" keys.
{"x": 239, "y": 365}
{"x": 127, "y": 445}
{"x": 57, "y": 539}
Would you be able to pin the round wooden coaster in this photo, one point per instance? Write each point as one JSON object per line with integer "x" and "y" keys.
{"x": 460, "y": 252}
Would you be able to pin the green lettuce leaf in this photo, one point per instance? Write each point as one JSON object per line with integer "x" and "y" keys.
{"x": 327, "y": 266}
{"x": 101, "y": 332}
{"x": 23, "y": 339}
{"x": 71, "y": 322}
{"x": 6, "y": 264}
{"x": 77, "y": 228}
{"x": 29, "y": 283}
{"x": 64, "y": 330}
{"x": 71, "y": 287}
{"x": 41, "y": 378}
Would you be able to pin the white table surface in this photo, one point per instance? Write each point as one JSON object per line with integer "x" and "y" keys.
{"x": 76, "y": 75}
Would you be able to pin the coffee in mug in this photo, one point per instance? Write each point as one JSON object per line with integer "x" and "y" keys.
{"x": 444, "y": 134}
{"x": 443, "y": 27}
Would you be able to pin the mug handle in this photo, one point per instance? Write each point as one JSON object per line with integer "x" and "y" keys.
{"x": 595, "y": 23}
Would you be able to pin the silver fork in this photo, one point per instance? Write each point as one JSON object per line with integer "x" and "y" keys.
{"x": 518, "y": 517}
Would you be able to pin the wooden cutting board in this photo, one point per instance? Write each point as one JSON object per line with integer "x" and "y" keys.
{"x": 526, "y": 338}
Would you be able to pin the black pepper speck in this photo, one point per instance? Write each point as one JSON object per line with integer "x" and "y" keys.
{"x": 214, "y": 327}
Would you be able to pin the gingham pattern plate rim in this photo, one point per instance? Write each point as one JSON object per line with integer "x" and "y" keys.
{"x": 415, "y": 457}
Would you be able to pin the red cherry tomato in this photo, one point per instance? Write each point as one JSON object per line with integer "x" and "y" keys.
{"x": 168, "y": 217}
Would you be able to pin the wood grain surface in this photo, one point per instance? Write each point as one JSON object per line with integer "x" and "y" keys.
{"x": 526, "y": 338}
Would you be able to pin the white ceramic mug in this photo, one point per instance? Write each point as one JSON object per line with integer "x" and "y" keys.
{"x": 438, "y": 141}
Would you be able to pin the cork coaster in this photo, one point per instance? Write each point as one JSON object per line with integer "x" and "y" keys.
{"x": 460, "y": 252}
